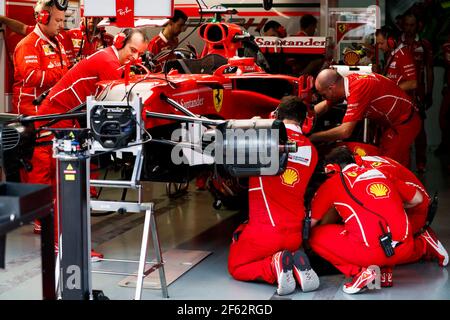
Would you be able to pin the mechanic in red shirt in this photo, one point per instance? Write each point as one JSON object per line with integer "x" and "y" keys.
{"x": 417, "y": 214}
{"x": 73, "y": 88}
{"x": 88, "y": 38}
{"x": 375, "y": 97}
{"x": 399, "y": 64}
{"x": 422, "y": 51}
{"x": 371, "y": 206}
{"x": 308, "y": 26}
{"x": 22, "y": 29}
{"x": 39, "y": 59}
{"x": 167, "y": 39}
{"x": 274, "y": 29}
{"x": 267, "y": 246}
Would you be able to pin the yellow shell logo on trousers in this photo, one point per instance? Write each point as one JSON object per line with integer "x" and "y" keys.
{"x": 378, "y": 190}
{"x": 290, "y": 177}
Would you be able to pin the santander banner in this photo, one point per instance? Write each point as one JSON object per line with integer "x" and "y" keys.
{"x": 296, "y": 45}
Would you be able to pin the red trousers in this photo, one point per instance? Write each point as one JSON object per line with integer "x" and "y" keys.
{"x": 417, "y": 215}
{"x": 396, "y": 142}
{"x": 44, "y": 172}
{"x": 349, "y": 255}
{"x": 251, "y": 254}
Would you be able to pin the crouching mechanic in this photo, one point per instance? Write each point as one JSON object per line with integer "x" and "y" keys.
{"x": 267, "y": 246}
{"x": 73, "y": 89}
{"x": 376, "y": 230}
{"x": 427, "y": 243}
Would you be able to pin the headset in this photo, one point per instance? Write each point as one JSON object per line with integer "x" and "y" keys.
{"x": 331, "y": 168}
{"x": 43, "y": 17}
{"x": 389, "y": 34}
{"x": 121, "y": 39}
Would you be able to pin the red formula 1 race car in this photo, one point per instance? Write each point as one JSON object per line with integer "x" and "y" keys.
{"x": 220, "y": 85}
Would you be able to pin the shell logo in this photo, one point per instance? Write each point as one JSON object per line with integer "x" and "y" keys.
{"x": 378, "y": 190}
{"x": 360, "y": 152}
{"x": 352, "y": 174}
{"x": 290, "y": 177}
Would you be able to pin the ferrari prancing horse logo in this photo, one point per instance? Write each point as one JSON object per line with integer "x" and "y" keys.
{"x": 218, "y": 99}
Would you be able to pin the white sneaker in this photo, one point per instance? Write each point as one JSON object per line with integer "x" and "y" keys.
{"x": 282, "y": 263}
{"x": 435, "y": 249}
{"x": 360, "y": 281}
{"x": 306, "y": 277}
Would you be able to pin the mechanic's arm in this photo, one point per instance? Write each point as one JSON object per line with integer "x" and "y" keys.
{"x": 340, "y": 132}
{"x": 15, "y": 25}
{"x": 417, "y": 199}
{"x": 410, "y": 194}
{"x": 322, "y": 202}
{"x": 322, "y": 107}
{"x": 408, "y": 85}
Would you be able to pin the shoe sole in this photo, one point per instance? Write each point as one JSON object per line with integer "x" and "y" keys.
{"x": 306, "y": 276}
{"x": 286, "y": 282}
{"x": 96, "y": 259}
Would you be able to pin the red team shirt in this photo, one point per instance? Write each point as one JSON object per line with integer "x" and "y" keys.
{"x": 160, "y": 43}
{"x": 422, "y": 52}
{"x": 400, "y": 65}
{"x": 378, "y": 193}
{"x": 98, "y": 42}
{"x": 301, "y": 34}
{"x": 277, "y": 201}
{"x": 418, "y": 214}
{"x": 392, "y": 167}
{"x": 39, "y": 63}
{"x": 377, "y": 98}
{"x": 80, "y": 82}
{"x": 63, "y": 37}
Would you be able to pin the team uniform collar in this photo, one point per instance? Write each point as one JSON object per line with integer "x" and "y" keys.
{"x": 41, "y": 35}
{"x": 349, "y": 166}
{"x": 416, "y": 38}
{"x": 347, "y": 92}
{"x": 401, "y": 46}
{"x": 293, "y": 127}
{"x": 116, "y": 52}
{"x": 161, "y": 35}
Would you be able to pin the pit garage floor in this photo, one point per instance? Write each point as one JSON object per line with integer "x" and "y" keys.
{"x": 190, "y": 222}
